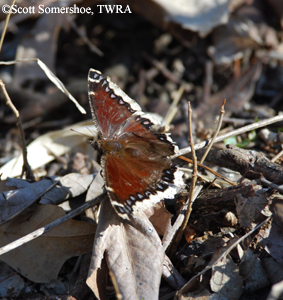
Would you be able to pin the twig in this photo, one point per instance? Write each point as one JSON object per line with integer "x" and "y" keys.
{"x": 37, "y": 233}
{"x": 209, "y": 170}
{"x": 173, "y": 107}
{"x": 50, "y": 76}
{"x": 208, "y": 81}
{"x": 222, "y": 112}
{"x": 179, "y": 221}
{"x": 250, "y": 127}
{"x": 277, "y": 156}
{"x": 26, "y": 167}
{"x": 265, "y": 182}
{"x": 194, "y": 175}
{"x": 85, "y": 39}
{"x": 225, "y": 253}
{"x": 162, "y": 68}
{"x": 201, "y": 177}
{"x": 193, "y": 183}
{"x": 6, "y": 24}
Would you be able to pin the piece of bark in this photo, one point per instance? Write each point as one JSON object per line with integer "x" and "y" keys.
{"x": 249, "y": 163}
{"x": 215, "y": 200}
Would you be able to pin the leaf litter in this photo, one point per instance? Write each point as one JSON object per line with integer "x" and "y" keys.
{"x": 233, "y": 53}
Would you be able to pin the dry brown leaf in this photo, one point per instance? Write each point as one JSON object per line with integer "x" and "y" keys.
{"x": 273, "y": 269}
{"x": 245, "y": 31}
{"x": 13, "y": 202}
{"x": 239, "y": 91}
{"x": 198, "y": 295}
{"x": 133, "y": 253}
{"x": 252, "y": 271}
{"x": 271, "y": 238}
{"x": 224, "y": 272}
{"x": 249, "y": 210}
{"x": 58, "y": 142}
{"x": 41, "y": 259}
{"x": 160, "y": 217}
{"x": 277, "y": 209}
{"x": 70, "y": 185}
{"x": 198, "y": 16}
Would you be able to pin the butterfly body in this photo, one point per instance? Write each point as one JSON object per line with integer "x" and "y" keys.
{"x": 136, "y": 161}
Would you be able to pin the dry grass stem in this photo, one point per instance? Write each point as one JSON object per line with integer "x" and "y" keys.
{"x": 209, "y": 170}
{"x": 222, "y": 137}
{"x": 193, "y": 183}
{"x": 26, "y": 167}
{"x": 222, "y": 112}
{"x": 6, "y": 25}
{"x": 40, "y": 231}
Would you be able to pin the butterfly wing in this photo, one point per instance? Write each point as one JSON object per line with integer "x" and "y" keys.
{"x": 142, "y": 174}
{"x": 136, "y": 162}
{"x": 110, "y": 106}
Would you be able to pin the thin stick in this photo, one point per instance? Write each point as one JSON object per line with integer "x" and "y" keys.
{"x": 222, "y": 112}
{"x": 220, "y": 138}
{"x": 193, "y": 182}
{"x": 209, "y": 170}
{"x": 85, "y": 39}
{"x": 224, "y": 254}
{"x": 179, "y": 221}
{"x": 6, "y": 24}
{"x": 39, "y": 232}
{"x": 194, "y": 175}
{"x": 26, "y": 167}
{"x": 277, "y": 156}
{"x": 173, "y": 107}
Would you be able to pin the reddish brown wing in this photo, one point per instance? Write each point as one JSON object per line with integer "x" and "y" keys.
{"x": 109, "y": 109}
{"x": 131, "y": 181}
{"x": 143, "y": 172}
{"x": 136, "y": 162}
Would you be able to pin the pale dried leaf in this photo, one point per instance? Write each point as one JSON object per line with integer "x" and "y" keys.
{"x": 133, "y": 253}
{"x": 96, "y": 187}
{"x": 273, "y": 269}
{"x": 249, "y": 209}
{"x": 160, "y": 217}
{"x": 14, "y": 202}
{"x": 199, "y": 16}
{"x": 224, "y": 272}
{"x": 70, "y": 186}
{"x": 252, "y": 271}
{"x": 41, "y": 259}
{"x": 58, "y": 142}
{"x": 245, "y": 31}
{"x": 272, "y": 240}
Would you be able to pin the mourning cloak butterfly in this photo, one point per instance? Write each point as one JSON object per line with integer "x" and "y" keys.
{"x": 136, "y": 164}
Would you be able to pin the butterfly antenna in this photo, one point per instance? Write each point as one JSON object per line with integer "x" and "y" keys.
{"x": 92, "y": 133}
{"x": 79, "y": 132}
